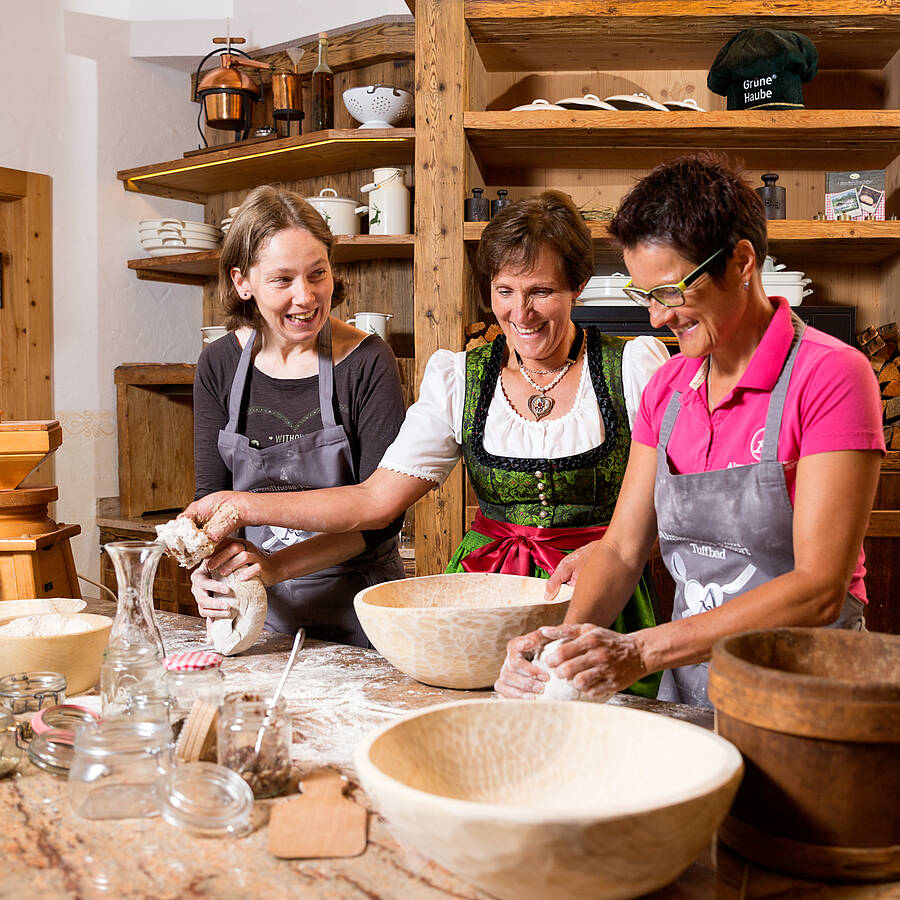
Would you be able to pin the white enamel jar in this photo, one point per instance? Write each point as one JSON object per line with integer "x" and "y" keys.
{"x": 341, "y": 214}
{"x": 389, "y": 202}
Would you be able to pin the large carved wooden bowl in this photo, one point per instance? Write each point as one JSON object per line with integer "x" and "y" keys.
{"x": 558, "y": 799}
{"x": 452, "y": 630}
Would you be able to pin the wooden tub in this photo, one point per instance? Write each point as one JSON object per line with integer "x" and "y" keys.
{"x": 816, "y": 714}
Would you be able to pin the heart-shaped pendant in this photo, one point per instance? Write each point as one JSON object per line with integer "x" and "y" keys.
{"x": 539, "y": 405}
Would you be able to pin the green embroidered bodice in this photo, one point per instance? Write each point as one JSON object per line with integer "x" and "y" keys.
{"x": 578, "y": 490}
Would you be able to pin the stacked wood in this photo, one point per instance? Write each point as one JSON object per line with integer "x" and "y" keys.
{"x": 881, "y": 346}
{"x": 479, "y": 333}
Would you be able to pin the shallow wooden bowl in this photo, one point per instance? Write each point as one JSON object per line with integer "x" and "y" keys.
{"x": 452, "y": 630}
{"x": 77, "y": 656}
{"x": 537, "y": 800}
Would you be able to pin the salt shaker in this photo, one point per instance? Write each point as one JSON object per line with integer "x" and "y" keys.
{"x": 772, "y": 196}
{"x": 477, "y": 208}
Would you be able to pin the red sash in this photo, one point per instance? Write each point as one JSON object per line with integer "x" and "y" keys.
{"x": 516, "y": 548}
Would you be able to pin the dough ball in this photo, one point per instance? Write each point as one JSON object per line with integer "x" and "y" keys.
{"x": 559, "y": 688}
{"x": 247, "y": 615}
{"x": 187, "y": 543}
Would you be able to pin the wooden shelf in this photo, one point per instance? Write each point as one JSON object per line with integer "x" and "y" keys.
{"x": 815, "y": 139}
{"x": 535, "y": 36}
{"x": 194, "y": 178}
{"x": 198, "y": 268}
{"x": 806, "y": 241}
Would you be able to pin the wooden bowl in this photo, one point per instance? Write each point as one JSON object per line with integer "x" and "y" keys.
{"x": 452, "y": 630}
{"x": 77, "y": 656}
{"x": 816, "y": 714}
{"x": 537, "y": 800}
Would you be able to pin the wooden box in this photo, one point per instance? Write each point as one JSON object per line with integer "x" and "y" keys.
{"x": 154, "y": 409}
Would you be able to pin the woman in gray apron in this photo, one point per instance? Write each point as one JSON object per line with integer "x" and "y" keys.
{"x": 754, "y": 460}
{"x": 286, "y": 428}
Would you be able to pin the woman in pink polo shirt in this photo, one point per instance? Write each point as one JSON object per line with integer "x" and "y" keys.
{"x": 755, "y": 454}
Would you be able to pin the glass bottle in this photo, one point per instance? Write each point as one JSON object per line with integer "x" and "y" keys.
{"x": 135, "y": 623}
{"x": 322, "y": 90}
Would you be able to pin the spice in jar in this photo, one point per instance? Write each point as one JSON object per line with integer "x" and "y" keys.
{"x": 267, "y": 770}
{"x": 191, "y": 677}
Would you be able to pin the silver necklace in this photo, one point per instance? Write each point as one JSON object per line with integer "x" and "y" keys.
{"x": 539, "y": 404}
{"x": 541, "y": 371}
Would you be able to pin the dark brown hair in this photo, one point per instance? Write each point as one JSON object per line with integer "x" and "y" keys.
{"x": 265, "y": 211}
{"x": 516, "y": 235}
{"x": 695, "y": 204}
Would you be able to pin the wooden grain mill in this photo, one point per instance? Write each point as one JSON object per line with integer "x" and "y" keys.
{"x": 35, "y": 554}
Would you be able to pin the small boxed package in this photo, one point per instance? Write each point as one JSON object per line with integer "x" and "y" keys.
{"x": 854, "y": 195}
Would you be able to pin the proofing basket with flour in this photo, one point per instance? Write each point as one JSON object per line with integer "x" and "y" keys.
{"x": 452, "y": 630}
{"x": 530, "y": 801}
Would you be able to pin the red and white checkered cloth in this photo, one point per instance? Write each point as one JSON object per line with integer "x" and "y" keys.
{"x": 192, "y": 661}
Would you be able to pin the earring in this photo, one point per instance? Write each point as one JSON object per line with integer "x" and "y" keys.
{"x": 746, "y": 285}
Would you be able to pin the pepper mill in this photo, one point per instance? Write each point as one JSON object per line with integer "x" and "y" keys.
{"x": 477, "y": 208}
{"x": 772, "y": 196}
{"x": 501, "y": 201}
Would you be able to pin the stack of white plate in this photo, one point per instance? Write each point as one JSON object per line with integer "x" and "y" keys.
{"x": 169, "y": 237}
{"x": 226, "y": 222}
{"x": 606, "y": 290}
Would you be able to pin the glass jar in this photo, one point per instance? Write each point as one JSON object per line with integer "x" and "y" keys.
{"x": 206, "y": 799}
{"x": 11, "y": 754}
{"x": 115, "y": 768}
{"x": 133, "y": 684}
{"x": 26, "y": 693}
{"x": 193, "y": 677}
{"x": 267, "y": 771}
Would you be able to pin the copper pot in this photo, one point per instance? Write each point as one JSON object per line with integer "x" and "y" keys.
{"x": 228, "y": 94}
{"x": 287, "y": 98}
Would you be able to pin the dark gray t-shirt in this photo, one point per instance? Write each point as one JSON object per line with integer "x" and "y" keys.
{"x": 368, "y": 399}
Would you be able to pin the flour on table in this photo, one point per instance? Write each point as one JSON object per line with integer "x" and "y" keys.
{"x": 45, "y": 625}
{"x": 559, "y": 688}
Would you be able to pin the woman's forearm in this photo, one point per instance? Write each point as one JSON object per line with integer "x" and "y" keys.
{"x": 316, "y": 553}
{"x": 603, "y": 588}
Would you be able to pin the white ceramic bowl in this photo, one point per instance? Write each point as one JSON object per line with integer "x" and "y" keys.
{"x": 536, "y": 106}
{"x": 378, "y": 105}
{"x": 588, "y": 101}
{"x": 77, "y": 656}
{"x": 452, "y": 630}
{"x": 213, "y": 333}
{"x": 530, "y": 801}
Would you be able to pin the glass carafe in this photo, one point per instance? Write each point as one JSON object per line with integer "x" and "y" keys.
{"x": 135, "y": 624}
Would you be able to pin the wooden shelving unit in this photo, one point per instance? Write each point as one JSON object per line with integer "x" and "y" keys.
{"x": 199, "y": 268}
{"x": 477, "y": 59}
{"x": 234, "y": 168}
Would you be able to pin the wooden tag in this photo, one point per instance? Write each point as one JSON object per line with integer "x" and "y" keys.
{"x": 197, "y": 739}
{"x": 321, "y": 822}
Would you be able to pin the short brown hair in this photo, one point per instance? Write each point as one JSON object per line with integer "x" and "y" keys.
{"x": 516, "y": 235}
{"x": 695, "y": 204}
{"x": 265, "y": 211}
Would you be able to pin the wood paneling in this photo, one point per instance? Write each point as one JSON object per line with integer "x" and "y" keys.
{"x": 522, "y": 35}
{"x": 441, "y": 97}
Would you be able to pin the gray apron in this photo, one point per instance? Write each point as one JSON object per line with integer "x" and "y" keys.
{"x": 323, "y": 601}
{"x": 727, "y": 531}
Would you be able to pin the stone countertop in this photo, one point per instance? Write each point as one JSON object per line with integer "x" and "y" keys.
{"x": 335, "y": 695}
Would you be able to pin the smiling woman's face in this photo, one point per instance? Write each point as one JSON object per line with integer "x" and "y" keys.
{"x": 292, "y": 285}
{"x": 711, "y": 313}
{"x": 534, "y": 307}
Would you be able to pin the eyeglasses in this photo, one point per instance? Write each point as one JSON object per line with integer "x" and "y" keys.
{"x": 669, "y": 294}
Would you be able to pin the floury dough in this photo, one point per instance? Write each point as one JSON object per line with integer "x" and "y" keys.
{"x": 248, "y": 605}
{"x": 558, "y": 688}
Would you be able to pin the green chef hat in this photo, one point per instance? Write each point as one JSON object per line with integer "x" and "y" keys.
{"x": 763, "y": 68}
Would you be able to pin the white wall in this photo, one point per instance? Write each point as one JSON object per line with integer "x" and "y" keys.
{"x": 78, "y": 106}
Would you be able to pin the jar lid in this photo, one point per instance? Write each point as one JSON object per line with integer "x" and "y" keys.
{"x": 63, "y": 717}
{"x": 192, "y": 661}
{"x": 52, "y": 751}
{"x": 206, "y": 799}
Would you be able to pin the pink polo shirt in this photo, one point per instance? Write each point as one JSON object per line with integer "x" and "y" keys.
{"x": 833, "y": 403}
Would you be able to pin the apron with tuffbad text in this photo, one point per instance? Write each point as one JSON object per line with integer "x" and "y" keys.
{"x": 321, "y": 602}
{"x": 727, "y": 531}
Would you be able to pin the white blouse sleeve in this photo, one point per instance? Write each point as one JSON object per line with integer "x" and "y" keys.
{"x": 428, "y": 445}
{"x": 640, "y": 359}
